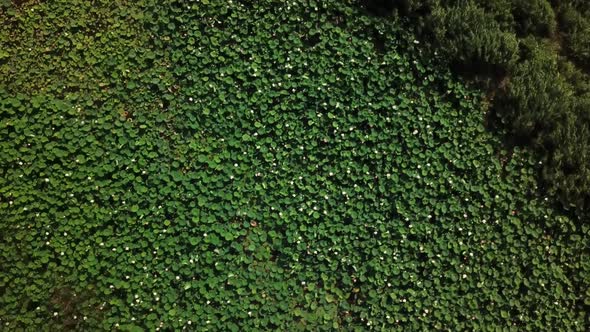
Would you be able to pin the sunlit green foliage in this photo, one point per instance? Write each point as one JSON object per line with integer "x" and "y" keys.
{"x": 261, "y": 165}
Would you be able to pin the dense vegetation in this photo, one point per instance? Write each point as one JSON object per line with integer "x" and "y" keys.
{"x": 533, "y": 56}
{"x": 262, "y": 165}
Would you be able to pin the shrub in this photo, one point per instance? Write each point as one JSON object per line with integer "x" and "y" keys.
{"x": 471, "y": 37}
{"x": 568, "y": 169}
{"x": 583, "y": 6}
{"x": 579, "y": 80}
{"x": 419, "y": 6}
{"x": 576, "y": 32}
{"x": 501, "y": 10}
{"x": 545, "y": 110}
{"x": 535, "y": 94}
{"x": 534, "y": 17}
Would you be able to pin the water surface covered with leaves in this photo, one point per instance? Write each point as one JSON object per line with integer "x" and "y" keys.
{"x": 272, "y": 166}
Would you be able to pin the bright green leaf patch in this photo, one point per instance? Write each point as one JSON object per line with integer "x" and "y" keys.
{"x": 261, "y": 165}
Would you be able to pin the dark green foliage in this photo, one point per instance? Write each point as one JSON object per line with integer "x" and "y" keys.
{"x": 579, "y": 80}
{"x": 533, "y": 105}
{"x": 380, "y": 7}
{"x": 472, "y": 38}
{"x": 416, "y": 6}
{"x": 581, "y": 6}
{"x": 545, "y": 64}
{"x": 576, "y": 34}
{"x": 570, "y": 165}
{"x": 534, "y": 96}
{"x": 534, "y": 17}
{"x": 501, "y": 10}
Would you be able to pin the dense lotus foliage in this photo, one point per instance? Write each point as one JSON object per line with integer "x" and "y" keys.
{"x": 262, "y": 165}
